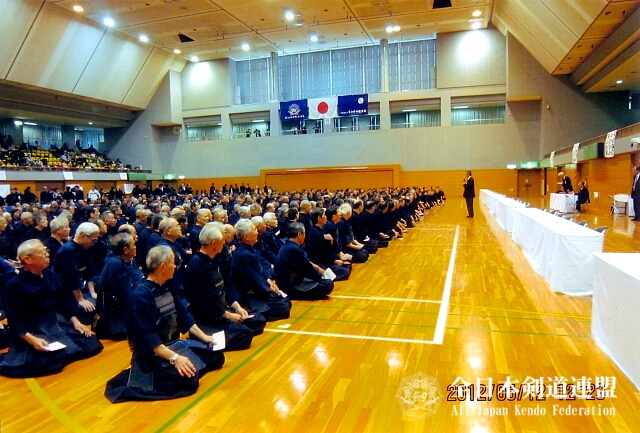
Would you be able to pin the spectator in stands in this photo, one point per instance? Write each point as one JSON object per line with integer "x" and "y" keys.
{"x": 13, "y": 197}
{"x": 162, "y": 365}
{"x": 34, "y": 298}
{"x": 78, "y": 193}
{"x": 257, "y": 291}
{"x": 295, "y": 273}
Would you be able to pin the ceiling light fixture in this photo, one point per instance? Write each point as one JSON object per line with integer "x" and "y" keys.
{"x": 408, "y": 110}
{"x": 109, "y": 22}
{"x": 396, "y": 28}
{"x": 289, "y": 15}
{"x": 177, "y": 51}
{"x": 78, "y": 8}
{"x": 619, "y": 82}
{"x": 314, "y": 37}
{"x": 194, "y": 59}
{"x": 391, "y": 28}
{"x": 17, "y": 122}
{"x": 476, "y": 13}
{"x": 460, "y": 106}
{"x": 90, "y": 123}
{"x": 257, "y": 120}
{"x": 246, "y": 47}
{"x": 31, "y": 123}
{"x": 143, "y": 38}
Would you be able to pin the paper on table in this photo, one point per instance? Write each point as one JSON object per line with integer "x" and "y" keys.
{"x": 328, "y": 274}
{"x": 219, "y": 342}
{"x": 56, "y": 345}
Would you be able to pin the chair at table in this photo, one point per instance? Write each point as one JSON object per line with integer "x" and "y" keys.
{"x": 583, "y": 223}
{"x": 601, "y": 229}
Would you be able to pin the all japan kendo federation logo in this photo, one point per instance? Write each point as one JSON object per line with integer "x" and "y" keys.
{"x": 419, "y": 395}
{"x": 294, "y": 110}
{"x": 360, "y": 101}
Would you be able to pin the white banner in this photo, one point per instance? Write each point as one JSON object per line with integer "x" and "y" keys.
{"x": 323, "y": 108}
{"x": 574, "y": 153}
{"x": 609, "y": 145}
{"x": 551, "y": 158}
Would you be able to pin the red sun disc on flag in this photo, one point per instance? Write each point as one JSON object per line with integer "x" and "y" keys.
{"x": 323, "y": 107}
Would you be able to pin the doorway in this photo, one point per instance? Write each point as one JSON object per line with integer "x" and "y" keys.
{"x": 530, "y": 184}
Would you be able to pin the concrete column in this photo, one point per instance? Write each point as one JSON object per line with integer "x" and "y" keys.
{"x": 275, "y": 81}
{"x": 69, "y": 135}
{"x": 384, "y": 65}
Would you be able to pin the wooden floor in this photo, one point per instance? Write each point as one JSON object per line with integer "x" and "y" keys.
{"x": 338, "y": 365}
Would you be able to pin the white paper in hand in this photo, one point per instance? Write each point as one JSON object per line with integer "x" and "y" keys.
{"x": 56, "y": 345}
{"x": 328, "y": 274}
{"x": 219, "y": 342}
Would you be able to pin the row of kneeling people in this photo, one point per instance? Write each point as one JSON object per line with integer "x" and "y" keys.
{"x": 229, "y": 287}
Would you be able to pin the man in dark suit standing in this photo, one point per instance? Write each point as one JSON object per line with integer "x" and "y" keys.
{"x": 635, "y": 192}
{"x": 469, "y": 193}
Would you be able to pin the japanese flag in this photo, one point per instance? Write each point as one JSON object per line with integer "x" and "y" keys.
{"x": 323, "y": 108}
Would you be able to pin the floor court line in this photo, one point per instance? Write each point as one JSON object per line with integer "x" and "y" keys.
{"x": 438, "y": 336}
{"x": 351, "y": 336}
{"x": 380, "y": 298}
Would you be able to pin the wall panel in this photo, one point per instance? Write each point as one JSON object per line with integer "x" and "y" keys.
{"x": 15, "y": 21}
{"x": 56, "y": 50}
{"x": 113, "y": 68}
{"x": 151, "y": 75}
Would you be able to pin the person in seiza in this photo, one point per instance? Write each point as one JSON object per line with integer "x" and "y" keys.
{"x": 162, "y": 365}
{"x": 583, "y": 196}
{"x": 119, "y": 277}
{"x": 295, "y": 273}
{"x": 248, "y": 276}
{"x": 635, "y": 192}
{"x": 213, "y": 302}
{"x": 469, "y": 193}
{"x": 34, "y": 301}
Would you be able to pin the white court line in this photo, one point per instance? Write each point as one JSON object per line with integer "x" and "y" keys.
{"x": 438, "y": 335}
{"x": 355, "y": 337}
{"x": 376, "y": 298}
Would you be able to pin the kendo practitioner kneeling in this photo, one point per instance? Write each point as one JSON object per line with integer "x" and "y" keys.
{"x": 33, "y": 300}
{"x": 162, "y": 365}
{"x": 213, "y": 300}
{"x": 295, "y": 273}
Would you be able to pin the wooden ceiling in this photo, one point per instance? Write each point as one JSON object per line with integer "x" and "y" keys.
{"x": 560, "y": 34}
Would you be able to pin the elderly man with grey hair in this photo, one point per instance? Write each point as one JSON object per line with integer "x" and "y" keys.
{"x": 256, "y": 289}
{"x": 215, "y": 304}
{"x": 295, "y": 273}
{"x": 203, "y": 216}
{"x": 34, "y": 298}
{"x": 74, "y": 265}
{"x": 60, "y": 232}
{"x": 162, "y": 365}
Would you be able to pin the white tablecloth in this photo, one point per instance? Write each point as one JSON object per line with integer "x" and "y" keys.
{"x": 557, "y": 249}
{"x": 616, "y": 306}
{"x": 500, "y": 206}
{"x": 563, "y": 202}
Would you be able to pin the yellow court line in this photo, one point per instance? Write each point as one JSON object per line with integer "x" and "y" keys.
{"x": 541, "y": 313}
{"x": 377, "y": 298}
{"x": 52, "y": 407}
